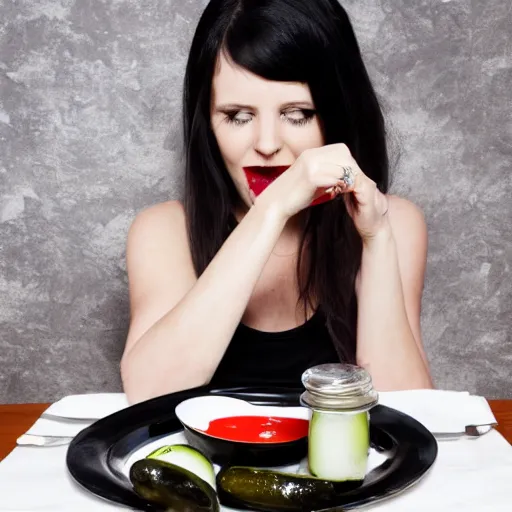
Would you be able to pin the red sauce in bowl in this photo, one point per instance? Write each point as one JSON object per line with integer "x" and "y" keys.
{"x": 258, "y": 429}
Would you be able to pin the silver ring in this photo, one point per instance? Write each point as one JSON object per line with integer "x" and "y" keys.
{"x": 348, "y": 176}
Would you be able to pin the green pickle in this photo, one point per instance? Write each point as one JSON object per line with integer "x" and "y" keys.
{"x": 172, "y": 487}
{"x": 274, "y": 491}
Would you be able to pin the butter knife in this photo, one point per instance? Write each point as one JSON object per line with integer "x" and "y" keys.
{"x": 34, "y": 440}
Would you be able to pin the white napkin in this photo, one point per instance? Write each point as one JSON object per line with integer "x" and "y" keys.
{"x": 441, "y": 411}
{"x": 469, "y": 474}
{"x": 73, "y": 413}
{"x": 91, "y": 406}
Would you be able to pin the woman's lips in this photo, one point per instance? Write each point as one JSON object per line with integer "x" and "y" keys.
{"x": 260, "y": 177}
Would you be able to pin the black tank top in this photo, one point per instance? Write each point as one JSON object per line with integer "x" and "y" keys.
{"x": 256, "y": 358}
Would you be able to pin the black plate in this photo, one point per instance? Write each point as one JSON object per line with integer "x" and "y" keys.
{"x": 97, "y": 455}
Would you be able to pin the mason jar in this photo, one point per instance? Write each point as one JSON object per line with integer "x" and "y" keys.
{"x": 340, "y": 397}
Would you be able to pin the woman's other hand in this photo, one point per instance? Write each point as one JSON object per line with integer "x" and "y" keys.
{"x": 330, "y": 169}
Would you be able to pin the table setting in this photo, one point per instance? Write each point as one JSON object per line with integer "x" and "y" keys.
{"x": 77, "y": 455}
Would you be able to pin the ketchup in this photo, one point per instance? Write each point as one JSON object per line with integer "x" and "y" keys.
{"x": 258, "y": 429}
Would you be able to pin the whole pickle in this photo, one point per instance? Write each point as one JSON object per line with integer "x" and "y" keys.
{"x": 274, "y": 491}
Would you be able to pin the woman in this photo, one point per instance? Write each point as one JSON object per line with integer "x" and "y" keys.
{"x": 241, "y": 285}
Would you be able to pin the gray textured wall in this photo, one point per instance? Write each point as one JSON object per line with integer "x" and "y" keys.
{"x": 89, "y": 117}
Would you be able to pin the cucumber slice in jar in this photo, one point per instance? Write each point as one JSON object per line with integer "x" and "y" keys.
{"x": 340, "y": 461}
{"x": 340, "y": 397}
{"x": 186, "y": 457}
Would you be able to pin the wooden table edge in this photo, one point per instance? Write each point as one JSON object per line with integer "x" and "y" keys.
{"x": 16, "y": 419}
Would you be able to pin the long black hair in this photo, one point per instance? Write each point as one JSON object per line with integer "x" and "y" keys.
{"x": 307, "y": 41}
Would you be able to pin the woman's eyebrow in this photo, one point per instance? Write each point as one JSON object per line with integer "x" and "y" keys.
{"x": 234, "y": 106}
{"x": 298, "y": 104}
{"x": 240, "y": 106}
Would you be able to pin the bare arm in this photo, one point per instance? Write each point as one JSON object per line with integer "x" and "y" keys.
{"x": 181, "y": 326}
{"x": 389, "y": 301}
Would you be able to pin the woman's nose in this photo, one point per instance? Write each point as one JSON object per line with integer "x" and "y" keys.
{"x": 268, "y": 139}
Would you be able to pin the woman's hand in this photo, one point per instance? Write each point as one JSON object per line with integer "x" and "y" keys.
{"x": 330, "y": 169}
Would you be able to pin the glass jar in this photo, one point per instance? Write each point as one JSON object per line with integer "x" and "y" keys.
{"x": 339, "y": 396}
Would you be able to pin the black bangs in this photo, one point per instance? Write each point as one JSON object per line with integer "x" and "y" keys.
{"x": 276, "y": 41}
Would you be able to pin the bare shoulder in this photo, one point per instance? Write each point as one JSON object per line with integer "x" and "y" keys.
{"x": 404, "y": 211}
{"x": 157, "y": 219}
{"x": 407, "y": 221}
{"x": 157, "y": 245}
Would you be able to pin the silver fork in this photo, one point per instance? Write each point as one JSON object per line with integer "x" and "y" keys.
{"x": 469, "y": 431}
{"x": 52, "y": 440}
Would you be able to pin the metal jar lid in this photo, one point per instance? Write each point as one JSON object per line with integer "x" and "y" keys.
{"x": 338, "y": 387}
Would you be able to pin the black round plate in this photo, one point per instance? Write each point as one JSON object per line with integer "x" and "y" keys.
{"x": 97, "y": 455}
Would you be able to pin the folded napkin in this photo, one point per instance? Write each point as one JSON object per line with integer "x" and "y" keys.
{"x": 73, "y": 413}
{"x": 442, "y": 412}
{"x": 469, "y": 474}
{"x": 91, "y": 406}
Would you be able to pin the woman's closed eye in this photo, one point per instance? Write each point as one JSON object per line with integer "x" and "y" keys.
{"x": 238, "y": 118}
{"x": 299, "y": 116}
{"x": 296, "y": 117}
